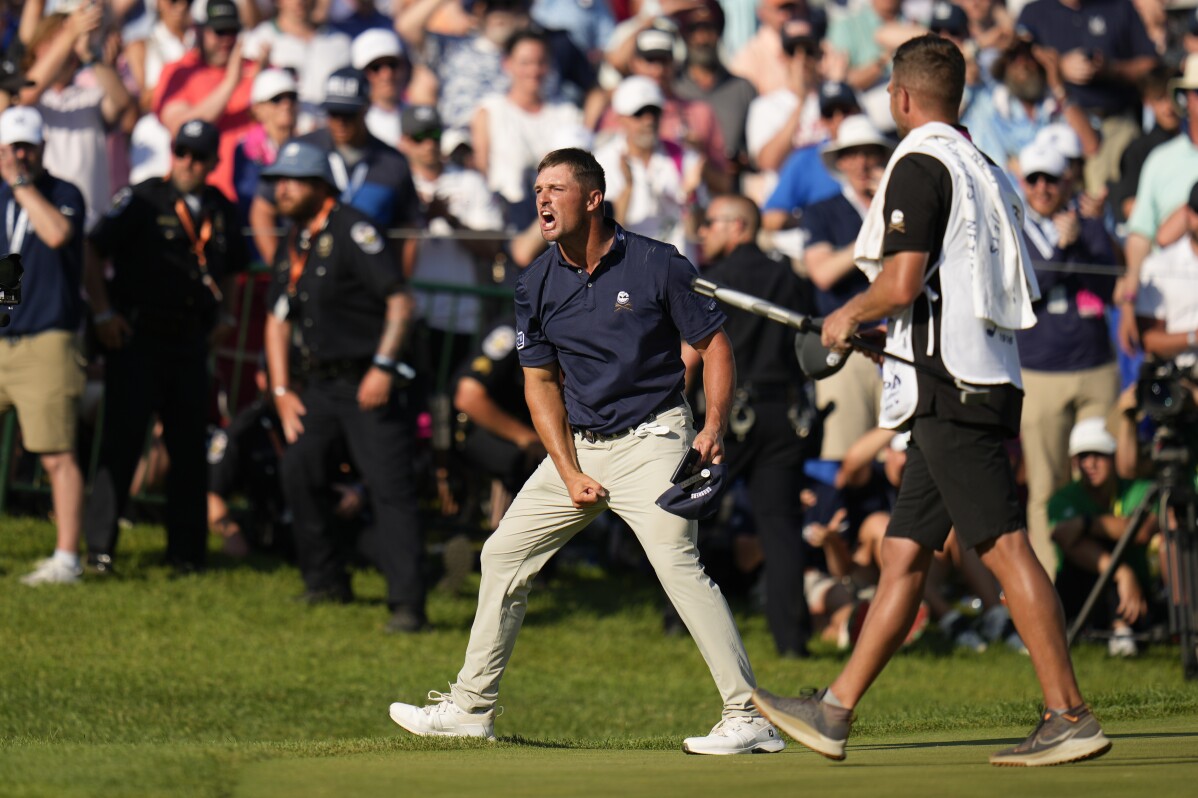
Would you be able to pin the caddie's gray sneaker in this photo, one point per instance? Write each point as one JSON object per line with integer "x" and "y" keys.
{"x": 737, "y": 736}
{"x": 809, "y": 720}
{"x": 443, "y": 718}
{"x": 1061, "y": 737}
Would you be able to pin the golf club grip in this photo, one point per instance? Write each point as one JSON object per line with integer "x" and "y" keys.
{"x": 754, "y": 305}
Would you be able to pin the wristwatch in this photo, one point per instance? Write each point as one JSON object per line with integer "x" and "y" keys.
{"x": 281, "y": 390}
{"x": 22, "y": 181}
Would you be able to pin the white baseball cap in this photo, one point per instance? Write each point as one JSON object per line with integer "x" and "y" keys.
{"x": 1062, "y": 138}
{"x": 373, "y": 44}
{"x": 21, "y": 124}
{"x": 1090, "y": 435}
{"x": 635, "y": 93}
{"x": 1039, "y": 158}
{"x": 270, "y": 83}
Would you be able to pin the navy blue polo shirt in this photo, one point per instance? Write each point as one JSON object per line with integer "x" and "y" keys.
{"x": 616, "y": 333}
{"x": 50, "y": 295}
{"x": 837, "y": 222}
{"x": 1111, "y": 27}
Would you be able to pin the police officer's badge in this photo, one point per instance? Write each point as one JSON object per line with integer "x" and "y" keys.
{"x": 120, "y": 201}
{"x": 499, "y": 342}
{"x": 623, "y": 301}
{"x": 217, "y": 445}
{"x": 366, "y": 237}
{"x": 898, "y": 222}
{"x": 324, "y": 245}
{"x": 481, "y": 365}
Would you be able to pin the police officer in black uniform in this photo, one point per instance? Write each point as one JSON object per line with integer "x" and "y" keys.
{"x": 339, "y": 301}
{"x": 174, "y": 246}
{"x": 772, "y": 427}
{"x": 495, "y": 429}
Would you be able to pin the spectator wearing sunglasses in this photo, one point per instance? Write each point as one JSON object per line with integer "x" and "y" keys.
{"x": 275, "y": 99}
{"x": 211, "y": 83}
{"x": 1069, "y": 370}
{"x": 380, "y": 57}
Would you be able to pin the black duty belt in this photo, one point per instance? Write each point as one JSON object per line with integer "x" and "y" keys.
{"x": 347, "y": 368}
{"x": 168, "y": 326}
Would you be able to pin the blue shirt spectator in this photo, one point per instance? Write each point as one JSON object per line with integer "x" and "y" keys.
{"x": 835, "y": 221}
{"x": 1111, "y": 30}
{"x": 615, "y": 332}
{"x": 802, "y": 181}
{"x": 50, "y": 297}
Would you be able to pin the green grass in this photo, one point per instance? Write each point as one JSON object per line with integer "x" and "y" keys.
{"x": 221, "y": 685}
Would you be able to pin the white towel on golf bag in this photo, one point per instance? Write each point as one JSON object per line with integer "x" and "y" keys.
{"x": 1004, "y": 285}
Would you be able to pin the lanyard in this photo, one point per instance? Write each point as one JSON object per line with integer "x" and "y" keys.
{"x": 198, "y": 242}
{"x": 299, "y": 255}
{"x": 349, "y": 185}
{"x": 16, "y": 227}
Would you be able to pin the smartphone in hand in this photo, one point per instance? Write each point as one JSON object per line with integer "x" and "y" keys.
{"x": 688, "y": 466}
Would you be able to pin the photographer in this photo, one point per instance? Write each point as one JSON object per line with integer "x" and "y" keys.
{"x": 40, "y": 365}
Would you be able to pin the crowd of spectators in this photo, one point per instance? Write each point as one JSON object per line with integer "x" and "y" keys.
{"x": 434, "y": 114}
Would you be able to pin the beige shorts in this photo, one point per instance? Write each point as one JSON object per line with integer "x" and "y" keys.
{"x": 857, "y": 392}
{"x": 42, "y": 377}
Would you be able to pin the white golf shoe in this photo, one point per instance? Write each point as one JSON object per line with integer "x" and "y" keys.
{"x": 443, "y": 718}
{"x": 744, "y": 735}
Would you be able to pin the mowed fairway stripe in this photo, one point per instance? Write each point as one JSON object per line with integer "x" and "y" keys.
{"x": 1150, "y": 757}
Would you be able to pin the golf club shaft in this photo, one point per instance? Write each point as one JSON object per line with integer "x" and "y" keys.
{"x": 754, "y": 305}
{"x": 804, "y": 324}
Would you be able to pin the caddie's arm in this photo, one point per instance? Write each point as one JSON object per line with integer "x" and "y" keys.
{"x": 543, "y": 393}
{"x": 719, "y": 379}
{"x": 898, "y": 285}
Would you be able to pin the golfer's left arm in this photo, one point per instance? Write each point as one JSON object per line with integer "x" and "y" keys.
{"x": 898, "y": 285}
{"x": 719, "y": 377}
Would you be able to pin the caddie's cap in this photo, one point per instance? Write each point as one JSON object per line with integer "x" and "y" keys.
{"x": 696, "y": 497}
{"x": 199, "y": 138}
{"x": 300, "y": 159}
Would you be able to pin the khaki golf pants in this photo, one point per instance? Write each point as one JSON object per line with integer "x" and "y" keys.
{"x": 635, "y": 471}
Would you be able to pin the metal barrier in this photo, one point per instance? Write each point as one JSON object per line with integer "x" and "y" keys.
{"x": 251, "y": 315}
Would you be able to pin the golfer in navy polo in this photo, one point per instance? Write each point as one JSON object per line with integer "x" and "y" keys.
{"x": 600, "y": 318}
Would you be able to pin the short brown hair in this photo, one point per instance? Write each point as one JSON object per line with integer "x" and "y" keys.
{"x": 583, "y": 166}
{"x": 933, "y": 68}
